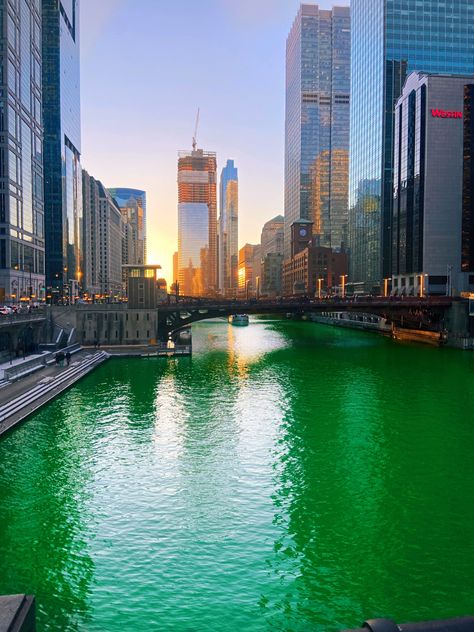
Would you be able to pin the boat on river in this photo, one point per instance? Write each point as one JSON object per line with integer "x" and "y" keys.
{"x": 239, "y": 320}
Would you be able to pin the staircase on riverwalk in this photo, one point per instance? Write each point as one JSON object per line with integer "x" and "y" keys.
{"x": 26, "y": 403}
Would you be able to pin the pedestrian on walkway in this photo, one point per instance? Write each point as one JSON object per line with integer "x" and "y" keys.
{"x": 68, "y": 358}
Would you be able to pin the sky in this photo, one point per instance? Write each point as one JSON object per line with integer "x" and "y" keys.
{"x": 147, "y": 65}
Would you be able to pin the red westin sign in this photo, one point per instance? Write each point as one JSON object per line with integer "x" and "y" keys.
{"x": 445, "y": 114}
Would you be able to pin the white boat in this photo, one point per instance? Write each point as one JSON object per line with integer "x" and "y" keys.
{"x": 239, "y": 320}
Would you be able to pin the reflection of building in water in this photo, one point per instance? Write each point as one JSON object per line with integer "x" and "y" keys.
{"x": 197, "y": 223}
{"x": 317, "y": 119}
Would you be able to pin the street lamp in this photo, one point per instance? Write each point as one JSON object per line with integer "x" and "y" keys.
{"x": 422, "y": 284}
{"x": 385, "y": 286}
{"x": 343, "y": 285}
{"x": 320, "y": 283}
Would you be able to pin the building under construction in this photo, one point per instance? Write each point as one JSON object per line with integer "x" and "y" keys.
{"x": 197, "y": 223}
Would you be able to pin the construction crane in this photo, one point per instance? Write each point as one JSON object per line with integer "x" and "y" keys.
{"x": 196, "y": 131}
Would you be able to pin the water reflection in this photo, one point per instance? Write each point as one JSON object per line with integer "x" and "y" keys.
{"x": 277, "y": 480}
{"x": 44, "y": 498}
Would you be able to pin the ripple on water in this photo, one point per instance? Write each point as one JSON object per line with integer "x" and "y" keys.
{"x": 289, "y": 476}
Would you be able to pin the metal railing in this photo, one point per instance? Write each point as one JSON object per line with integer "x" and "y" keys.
{"x": 27, "y": 317}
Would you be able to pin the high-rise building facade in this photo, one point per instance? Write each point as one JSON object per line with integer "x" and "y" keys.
{"x": 110, "y": 245}
{"x": 271, "y": 239}
{"x": 91, "y": 211}
{"x": 21, "y": 152}
{"x": 175, "y": 269}
{"x": 197, "y": 223}
{"x": 249, "y": 270}
{"x": 433, "y": 194}
{"x": 390, "y": 39}
{"x": 271, "y": 252}
{"x": 317, "y": 123}
{"x": 132, "y": 203}
{"x": 103, "y": 231}
{"x": 229, "y": 229}
{"x": 62, "y": 144}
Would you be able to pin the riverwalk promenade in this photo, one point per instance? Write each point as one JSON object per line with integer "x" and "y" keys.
{"x": 37, "y": 379}
{"x": 21, "y": 398}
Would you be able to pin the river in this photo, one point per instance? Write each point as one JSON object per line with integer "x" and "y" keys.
{"x": 289, "y": 476}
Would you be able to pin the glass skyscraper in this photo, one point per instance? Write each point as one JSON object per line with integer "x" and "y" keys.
{"x": 132, "y": 203}
{"x": 21, "y": 152}
{"x": 229, "y": 228}
{"x": 317, "y": 123}
{"x": 62, "y": 144}
{"x": 390, "y": 39}
{"x": 197, "y": 223}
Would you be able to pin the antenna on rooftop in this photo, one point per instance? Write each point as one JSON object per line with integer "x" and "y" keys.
{"x": 196, "y": 131}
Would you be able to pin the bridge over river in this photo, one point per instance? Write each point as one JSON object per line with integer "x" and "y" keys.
{"x": 428, "y": 313}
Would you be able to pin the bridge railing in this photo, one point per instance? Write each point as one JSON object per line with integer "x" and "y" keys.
{"x": 26, "y": 317}
{"x": 301, "y": 301}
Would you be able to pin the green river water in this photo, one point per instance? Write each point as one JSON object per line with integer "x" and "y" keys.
{"x": 289, "y": 476}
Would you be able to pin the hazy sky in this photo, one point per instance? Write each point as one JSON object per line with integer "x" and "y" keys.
{"x": 146, "y": 67}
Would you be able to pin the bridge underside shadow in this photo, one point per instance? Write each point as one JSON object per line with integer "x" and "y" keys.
{"x": 418, "y": 313}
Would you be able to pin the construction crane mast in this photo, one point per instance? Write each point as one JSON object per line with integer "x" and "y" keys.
{"x": 196, "y": 131}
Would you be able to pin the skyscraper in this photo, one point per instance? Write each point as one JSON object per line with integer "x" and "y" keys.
{"x": 132, "y": 203}
{"x": 317, "y": 123}
{"x": 91, "y": 209}
{"x": 390, "y": 39}
{"x": 62, "y": 143}
{"x": 197, "y": 223}
{"x": 103, "y": 240}
{"x": 21, "y": 152}
{"x": 271, "y": 253}
{"x": 229, "y": 229}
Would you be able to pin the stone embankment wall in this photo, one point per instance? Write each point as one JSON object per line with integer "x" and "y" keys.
{"x": 113, "y": 324}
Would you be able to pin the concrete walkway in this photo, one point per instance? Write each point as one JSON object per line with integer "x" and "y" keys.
{"x": 20, "y": 399}
{"x": 143, "y": 351}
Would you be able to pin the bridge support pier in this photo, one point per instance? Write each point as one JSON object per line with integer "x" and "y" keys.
{"x": 459, "y": 326}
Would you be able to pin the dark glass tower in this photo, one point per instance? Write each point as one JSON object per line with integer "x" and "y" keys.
{"x": 62, "y": 144}
{"x": 390, "y": 39}
{"x": 21, "y": 152}
{"x": 317, "y": 123}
